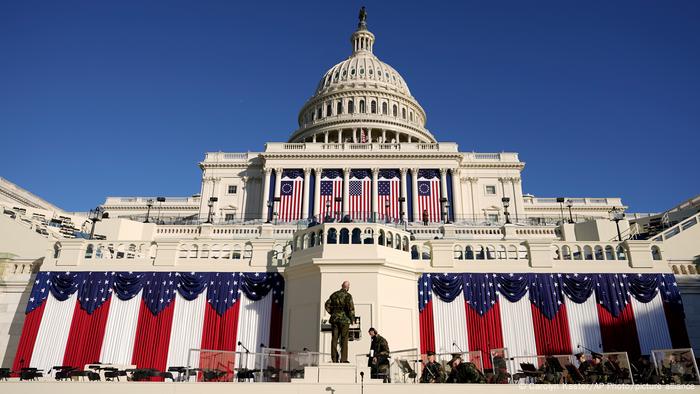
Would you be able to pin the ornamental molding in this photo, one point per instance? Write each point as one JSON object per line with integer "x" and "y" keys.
{"x": 345, "y": 122}
{"x": 346, "y": 155}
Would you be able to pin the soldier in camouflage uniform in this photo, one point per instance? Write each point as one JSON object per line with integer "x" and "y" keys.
{"x": 464, "y": 372}
{"x": 378, "y": 356}
{"x": 342, "y": 311}
{"x": 433, "y": 371}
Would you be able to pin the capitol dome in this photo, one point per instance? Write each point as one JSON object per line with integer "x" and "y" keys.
{"x": 360, "y": 100}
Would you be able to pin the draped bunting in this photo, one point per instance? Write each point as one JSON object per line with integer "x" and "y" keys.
{"x": 480, "y": 292}
{"x": 128, "y": 284}
{"x": 153, "y": 320}
{"x": 95, "y": 290}
{"x": 545, "y": 294}
{"x": 602, "y": 316}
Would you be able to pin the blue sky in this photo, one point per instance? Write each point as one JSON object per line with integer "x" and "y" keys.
{"x": 600, "y": 98}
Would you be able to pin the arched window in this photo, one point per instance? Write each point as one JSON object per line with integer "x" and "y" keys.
{"x": 248, "y": 251}
{"x": 397, "y": 241}
{"x": 512, "y": 252}
{"x": 410, "y": 116}
{"x": 373, "y": 107}
{"x": 457, "y": 255}
{"x": 194, "y": 249}
{"x": 226, "y": 252}
{"x": 329, "y": 110}
{"x": 395, "y": 110}
{"x": 89, "y": 251}
{"x": 621, "y": 253}
{"x": 556, "y": 255}
{"x": 339, "y": 108}
{"x": 491, "y": 252}
{"x": 385, "y": 108}
{"x": 655, "y": 253}
{"x": 414, "y": 253}
{"x": 351, "y": 107}
{"x": 362, "y": 106}
{"x": 480, "y": 254}
{"x": 403, "y": 113}
{"x": 205, "y": 252}
{"x": 369, "y": 236}
{"x": 332, "y": 236}
{"x": 215, "y": 251}
{"x": 566, "y": 252}
{"x": 236, "y": 254}
{"x": 389, "y": 239}
{"x": 609, "y": 254}
{"x": 381, "y": 237}
{"x": 577, "y": 253}
{"x": 312, "y": 240}
{"x": 320, "y": 113}
{"x": 598, "y": 253}
{"x": 405, "y": 244}
{"x": 587, "y": 253}
{"x": 469, "y": 253}
{"x": 344, "y": 236}
{"x": 356, "y": 236}
{"x": 502, "y": 252}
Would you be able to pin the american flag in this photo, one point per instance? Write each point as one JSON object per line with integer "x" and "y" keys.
{"x": 388, "y": 190}
{"x": 291, "y": 195}
{"x": 331, "y": 187}
{"x": 360, "y": 190}
{"x": 429, "y": 194}
{"x": 363, "y": 136}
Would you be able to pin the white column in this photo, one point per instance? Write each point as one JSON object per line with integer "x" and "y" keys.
{"x": 317, "y": 192}
{"x": 346, "y": 191}
{"x": 305, "y": 198}
{"x": 325, "y": 137}
{"x": 404, "y": 191}
{"x": 375, "y": 191}
{"x": 414, "y": 191}
{"x": 384, "y": 136}
{"x": 340, "y": 136}
{"x": 278, "y": 181}
{"x": 266, "y": 192}
{"x": 457, "y": 193}
{"x": 443, "y": 183}
{"x": 476, "y": 198}
{"x": 517, "y": 198}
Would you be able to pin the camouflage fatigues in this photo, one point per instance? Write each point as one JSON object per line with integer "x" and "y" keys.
{"x": 342, "y": 310}
{"x": 380, "y": 349}
{"x": 433, "y": 373}
{"x": 466, "y": 372}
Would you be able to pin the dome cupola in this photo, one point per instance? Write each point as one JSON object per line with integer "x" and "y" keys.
{"x": 362, "y": 99}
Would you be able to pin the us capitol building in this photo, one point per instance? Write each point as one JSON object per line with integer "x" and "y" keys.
{"x": 361, "y": 191}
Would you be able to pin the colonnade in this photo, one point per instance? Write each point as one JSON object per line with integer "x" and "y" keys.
{"x": 455, "y": 201}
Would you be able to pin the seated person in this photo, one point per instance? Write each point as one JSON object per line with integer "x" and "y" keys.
{"x": 432, "y": 371}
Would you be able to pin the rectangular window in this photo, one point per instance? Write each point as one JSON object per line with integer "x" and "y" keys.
{"x": 493, "y": 217}
{"x": 230, "y": 217}
{"x": 232, "y": 189}
{"x": 490, "y": 189}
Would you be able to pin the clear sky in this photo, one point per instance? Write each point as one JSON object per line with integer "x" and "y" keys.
{"x": 600, "y": 98}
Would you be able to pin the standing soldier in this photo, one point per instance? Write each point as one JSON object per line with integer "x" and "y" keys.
{"x": 342, "y": 311}
{"x": 378, "y": 356}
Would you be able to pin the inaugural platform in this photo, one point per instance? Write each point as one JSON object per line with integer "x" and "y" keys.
{"x": 362, "y": 255}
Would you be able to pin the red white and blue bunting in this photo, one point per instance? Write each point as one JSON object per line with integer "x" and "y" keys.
{"x": 539, "y": 314}
{"x": 77, "y": 318}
